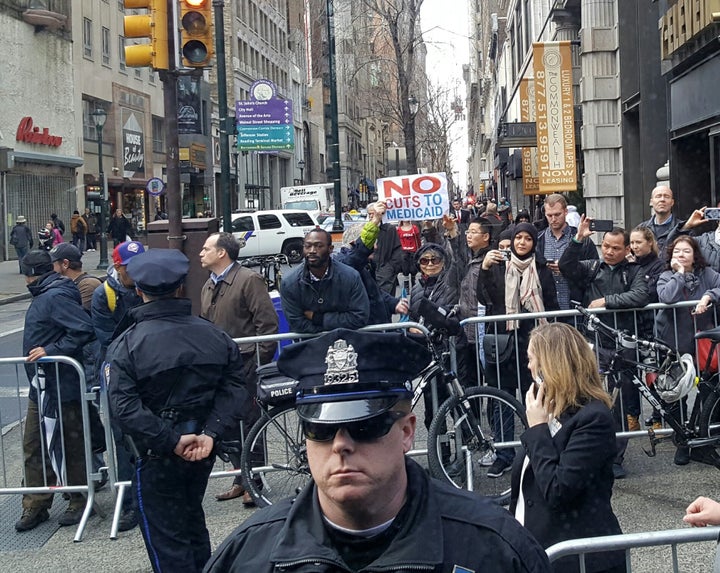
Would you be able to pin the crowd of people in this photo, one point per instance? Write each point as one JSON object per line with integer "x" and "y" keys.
{"x": 173, "y": 405}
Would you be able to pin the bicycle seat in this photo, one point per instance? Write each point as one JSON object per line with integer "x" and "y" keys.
{"x": 712, "y": 334}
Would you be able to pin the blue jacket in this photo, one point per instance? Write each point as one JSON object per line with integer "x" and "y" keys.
{"x": 338, "y": 300}
{"x": 104, "y": 320}
{"x": 56, "y": 321}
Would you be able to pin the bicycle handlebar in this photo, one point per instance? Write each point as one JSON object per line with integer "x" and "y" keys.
{"x": 622, "y": 337}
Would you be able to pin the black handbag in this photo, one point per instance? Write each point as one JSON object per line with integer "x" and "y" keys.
{"x": 498, "y": 348}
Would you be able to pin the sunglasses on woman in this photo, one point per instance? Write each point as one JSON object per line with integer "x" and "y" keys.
{"x": 428, "y": 260}
{"x": 362, "y": 431}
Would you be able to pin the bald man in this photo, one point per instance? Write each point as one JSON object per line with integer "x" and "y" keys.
{"x": 661, "y": 222}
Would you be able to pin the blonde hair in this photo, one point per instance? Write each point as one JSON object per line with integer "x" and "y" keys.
{"x": 649, "y": 236}
{"x": 568, "y": 367}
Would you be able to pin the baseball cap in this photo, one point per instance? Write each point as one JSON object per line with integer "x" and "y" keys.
{"x": 125, "y": 251}
{"x": 65, "y": 251}
{"x": 158, "y": 271}
{"x": 36, "y": 263}
{"x": 348, "y": 375}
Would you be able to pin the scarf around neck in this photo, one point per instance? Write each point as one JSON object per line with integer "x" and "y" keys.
{"x": 522, "y": 288}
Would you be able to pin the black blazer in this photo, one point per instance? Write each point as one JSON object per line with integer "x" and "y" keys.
{"x": 568, "y": 483}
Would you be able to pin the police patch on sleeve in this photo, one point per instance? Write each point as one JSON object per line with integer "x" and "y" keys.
{"x": 106, "y": 374}
{"x": 458, "y": 569}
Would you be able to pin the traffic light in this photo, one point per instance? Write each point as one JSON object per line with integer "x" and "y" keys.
{"x": 196, "y": 31}
{"x": 154, "y": 27}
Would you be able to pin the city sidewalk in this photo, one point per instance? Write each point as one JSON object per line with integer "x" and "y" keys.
{"x": 12, "y": 283}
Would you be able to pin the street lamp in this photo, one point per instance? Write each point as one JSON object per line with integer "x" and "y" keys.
{"x": 414, "y": 105}
{"x": 301, "y": 167}
{"x": 100, "y": 116}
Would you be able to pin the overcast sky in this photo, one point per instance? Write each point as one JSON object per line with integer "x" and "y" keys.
{"x": 445, "y": 31}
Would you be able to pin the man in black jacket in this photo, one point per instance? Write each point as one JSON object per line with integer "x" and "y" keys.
{"x": 388, "y": 254}
{"x": 21, "y": 238}
{"x": 175, "y": 398}
{"x": 368, "y": 507}
{"x": 55, "y": 325}
{"x": 613, "y": 283}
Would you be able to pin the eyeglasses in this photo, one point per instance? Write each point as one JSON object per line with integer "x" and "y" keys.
{"x": 476, "y": 232}
{"x": 363, "y": 431}
{"x": 430, "y": 260}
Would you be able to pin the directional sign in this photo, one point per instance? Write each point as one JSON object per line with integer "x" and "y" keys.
{"x": 264, "y": 125}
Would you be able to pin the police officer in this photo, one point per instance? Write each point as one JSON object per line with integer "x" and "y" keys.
{"x": 368, "y": 506}
{"x": 175, "y": 387}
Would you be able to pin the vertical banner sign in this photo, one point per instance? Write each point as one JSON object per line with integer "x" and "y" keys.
{"x": 188, "y": 105}
{"x": 133, "y": 153}
{"x": 414, "y": 197}
{"x": 531, "y": 183}
{"x": 554, "y": 117}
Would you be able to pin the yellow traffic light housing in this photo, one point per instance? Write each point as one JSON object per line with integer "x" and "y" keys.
{"x": 154, "y": 27}
{"x": 196, "y": 33}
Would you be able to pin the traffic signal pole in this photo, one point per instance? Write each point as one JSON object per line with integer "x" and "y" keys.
{"x": 172, "y": 193}
{"x": 225, "y": 125}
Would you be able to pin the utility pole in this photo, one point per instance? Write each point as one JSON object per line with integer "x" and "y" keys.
{"x": 335, "y": 130}
{"x": 225, "y": 125}
{"x": 173, "y": 196}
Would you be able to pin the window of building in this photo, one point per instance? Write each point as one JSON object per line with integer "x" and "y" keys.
{"x": 158, "y": 135}
{"x": 87, "y": 37}
{"x": 121, "y": 52}
{"x": 89, "y": 131}
{"x": 106, "y": 46}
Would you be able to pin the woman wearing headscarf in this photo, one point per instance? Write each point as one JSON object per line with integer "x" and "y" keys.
{"x": 562, "y": 487}
{"x": 513, "y": 282}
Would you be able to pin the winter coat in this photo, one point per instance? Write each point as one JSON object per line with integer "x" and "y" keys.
{"x": 240, "y": 305}
{"x": 568, "y": 483}
{"x": 338, "y": 300}
{"x": 675, "y": 287}
{"x": 119, "y": 228}
{"x": 21, "y": 236}
{"x": 78, "y": 226}
{"x": 109, "y": 322}
{"x": 56, "y": 321}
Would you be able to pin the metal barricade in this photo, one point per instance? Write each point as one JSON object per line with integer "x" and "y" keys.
{"x": 640, "y": 319}
{"x": 53, "y": 436}
{"x": 628, "y": 541}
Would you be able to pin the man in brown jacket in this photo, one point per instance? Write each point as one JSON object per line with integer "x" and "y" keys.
{"x": 235, "y": 299}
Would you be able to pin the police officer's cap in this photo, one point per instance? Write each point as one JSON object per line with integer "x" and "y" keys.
{"x": 348, "y": 375}
{"x": 158, "y": 271}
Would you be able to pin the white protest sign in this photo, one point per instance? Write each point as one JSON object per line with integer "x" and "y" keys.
{"x": 414, "y": 197}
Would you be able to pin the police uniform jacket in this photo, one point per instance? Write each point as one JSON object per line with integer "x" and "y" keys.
{"x": 240, "y": 305}
{"x": 338, "y": 300}
{"x": 171, "y": 359}
{"x": 56, "y": 321}
{"x": 568, "y": 483}
{"x": 443, "y": 530}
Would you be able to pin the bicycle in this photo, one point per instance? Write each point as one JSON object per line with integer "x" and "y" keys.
{"x": 702, "y": 429}
{"x": 461, "y": 435}
{"x": 270, "y": 269}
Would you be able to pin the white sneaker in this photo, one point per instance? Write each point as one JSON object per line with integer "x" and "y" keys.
{"x": 488, "y": 459}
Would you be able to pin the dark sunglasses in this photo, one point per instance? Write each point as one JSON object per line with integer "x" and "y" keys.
{"x": 363, "y": 431}
{"x": 428, "y": 260}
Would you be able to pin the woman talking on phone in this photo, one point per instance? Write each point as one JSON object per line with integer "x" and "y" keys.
{"x": 562, "y": 488}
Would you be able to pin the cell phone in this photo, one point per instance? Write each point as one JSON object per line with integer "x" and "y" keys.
{"x": 603, "y": 225}
{"x": 506, "y": 254}
{"x": 712, "y": 213}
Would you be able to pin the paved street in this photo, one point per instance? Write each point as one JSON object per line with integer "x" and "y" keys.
{"x": 653, "y": 497}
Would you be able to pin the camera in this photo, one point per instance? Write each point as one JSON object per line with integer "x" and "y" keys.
{"x": 712, "y": 213}
{"x": 506, "y": 254}
{"x": 603, "y": 225}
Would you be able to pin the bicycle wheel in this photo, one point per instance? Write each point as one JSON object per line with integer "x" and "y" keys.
{"x": 710, "y": 425}
{"x": 467, "y": 437}
{"x": 274, "y": 462}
